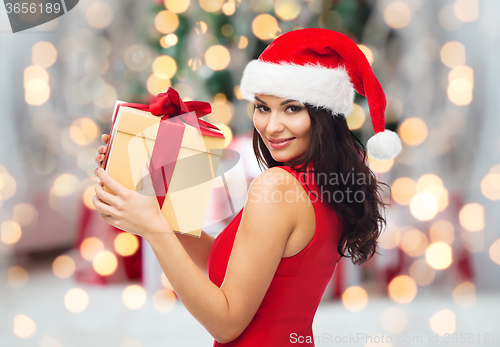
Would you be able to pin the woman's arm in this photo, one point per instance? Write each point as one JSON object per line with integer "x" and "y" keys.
{"x": 266, "y": 224}
{"x": 198, "y": 249}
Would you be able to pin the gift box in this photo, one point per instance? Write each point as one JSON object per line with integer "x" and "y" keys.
{"x": 182, "y": 150}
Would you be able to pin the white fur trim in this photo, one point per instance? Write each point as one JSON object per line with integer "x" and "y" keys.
{"x": 314, "y": 84}
{"x": 384, "y": 146}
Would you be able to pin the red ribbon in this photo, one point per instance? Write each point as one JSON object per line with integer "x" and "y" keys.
{"x": 170, "y": 107}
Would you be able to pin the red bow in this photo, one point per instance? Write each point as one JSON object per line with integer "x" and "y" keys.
{"x": 170, "y": 104}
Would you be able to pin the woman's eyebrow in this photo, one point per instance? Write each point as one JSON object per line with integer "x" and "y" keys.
{"x": 261, "y": 101}
{"x": 287, "y": 102}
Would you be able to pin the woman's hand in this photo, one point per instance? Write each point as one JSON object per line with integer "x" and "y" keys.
{"x": 135, "y": 212}
{"x": 101, "y": 152}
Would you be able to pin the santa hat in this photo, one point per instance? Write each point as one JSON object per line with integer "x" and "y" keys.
{"x": 323, "y": 68}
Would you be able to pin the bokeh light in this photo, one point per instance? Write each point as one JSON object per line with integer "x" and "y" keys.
{"x": 265, "y": 27}
{"x": 228, "y": 133}
{"x": 421, "y": 272}
{"x": 443, "y": 322}
{"x": 466, "y": 10}
{"x": 10, "y": 232}
{"x": 43, "y": 54}
{"x": 63, "y": 266}
{"x": 90, "y": 247}
{"x": 8, "y": 186}
{"x": 473, "y": 241}
{"x": 494, "y": 251}
{"x": 211, "y": 5}
{"x": 36, "y": 85}
{"x": 157, "y": 85}
{"x": 126, "y": 244}
{"x": 17, "y": 277}
{"x": 367, "y": 52}
{"x": 471, "y": 217}
{"x": 439, "y": 255}
{"x": 227, "y": 30}
{"x": 166, "y": 22}
{"x": 357, "y": 117}
{"x": 402, "y": 289}
{"x": 164, "y": 300}
{"x": 222, "y": 110}
{"x": 200, "y": 27}
{"x": 108, "y": 98}
{"x": 403, "y": 190}
{"x": 24, "y": 326}
{"x": 424, "y": 206}
{"x": 169, "y": 40}
{"x": 164, "y": 67}
{"x": 453, "y": 54}
{"x": 448, "y": 20}
{"x": 461, "y": 78}
{"x": 217, "y": 57}
{"x": 490, "y": 186}
{"x": 355, "y": 298}
{"x": 442, "y": 231}
{"x": 426, "y": 181}
{"x": 243, "y": 42}
{"x": 99, "y": 15}
{"x": 194, "y": 63}
{"x": 88, "y": 195}
{"x": 464, "y": 295}
{"x": 76, "y": 300}
{"x": 83, "y": 131}
{"x": 413, "y": 131}
{"x": 64, "y": 185}
{"x": 105, "y": 263}
{"x": 461, "y": 83}
{"x": 177, "y": 6}
{"x": 397, "y": 15}
{"x": 287, "y": 10}
{"x": 413, "y": 242}
{"x": 229, "y": 8}
{"x": 390, "y": 237}
{"x": 380, "y": 166}
{"x": 137, "y": 58}
{"x": 440, "y": 193}
{"x": 134, "y": 297}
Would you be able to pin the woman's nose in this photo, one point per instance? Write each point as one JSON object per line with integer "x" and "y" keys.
{"x": 274, "y": 125}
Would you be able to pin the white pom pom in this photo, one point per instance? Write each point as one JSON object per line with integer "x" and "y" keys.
{"x": 384, "y": 146}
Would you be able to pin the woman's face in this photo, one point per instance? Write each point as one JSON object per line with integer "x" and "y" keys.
{"x": 277, "y": 119}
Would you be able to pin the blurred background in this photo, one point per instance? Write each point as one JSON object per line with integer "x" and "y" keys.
{"x": 70, "y": 279}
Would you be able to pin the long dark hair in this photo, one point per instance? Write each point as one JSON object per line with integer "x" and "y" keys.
{"x": 336, "y": 151}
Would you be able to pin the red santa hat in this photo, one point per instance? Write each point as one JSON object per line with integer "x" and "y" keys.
{"x": 323, "y": 68}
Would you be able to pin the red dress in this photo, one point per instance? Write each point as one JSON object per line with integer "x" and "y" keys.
{"x": 286, "y": 313}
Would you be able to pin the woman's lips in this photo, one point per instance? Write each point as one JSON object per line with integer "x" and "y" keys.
{"x": 282, "y": 144}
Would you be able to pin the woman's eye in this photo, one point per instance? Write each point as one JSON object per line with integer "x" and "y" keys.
{"x": 261, "y": 108}
{"x": 294, "y": 109}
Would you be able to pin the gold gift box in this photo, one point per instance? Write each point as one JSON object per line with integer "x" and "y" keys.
{"x": 131, "y": 144}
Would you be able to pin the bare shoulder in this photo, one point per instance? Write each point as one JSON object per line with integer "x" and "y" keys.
{"x": 274, "y": 179}
{"x": 278, "y": 192}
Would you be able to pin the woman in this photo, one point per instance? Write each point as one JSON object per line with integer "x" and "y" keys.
{"x": 317, "y": 202}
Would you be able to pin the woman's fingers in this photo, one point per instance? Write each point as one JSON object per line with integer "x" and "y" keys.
{"x": 105, "y": 138}
{"x": 99, "y": 159}
{"x": 102, "y": 149}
